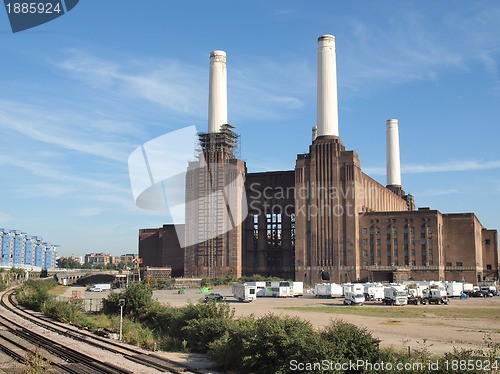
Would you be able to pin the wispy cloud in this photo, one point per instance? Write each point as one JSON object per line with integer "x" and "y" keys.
{"x": 182, "y": 88}
{"x": 410, "y": 49}
{"x": 88, "y": 212}
{"x": 65, "y": 129}
{"x": 450, "y": 166}
{"x": 438, "y": 192}
{"x": 5, "y": 218}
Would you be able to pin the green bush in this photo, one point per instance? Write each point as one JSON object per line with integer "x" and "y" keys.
{"x": 33, "y": 293}
{"x": 63, "y": 311}
{"x": 137, "y": 299}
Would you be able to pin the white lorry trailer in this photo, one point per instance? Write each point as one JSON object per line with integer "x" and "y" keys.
{"x": 454, "y": 289}
{"x": 297, "y": 288}
{"x": 100, "y": 287}
{"x": 244, "y": 292}
{"x": 416, "y": 294}
{"x": 328, "y": 290}
{"x": 395, "y": 295}
{"x": 373, "y": 291}
{"x": 261, "y": 287}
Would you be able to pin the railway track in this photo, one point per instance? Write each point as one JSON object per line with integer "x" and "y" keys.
{"x": 150, "y": 360}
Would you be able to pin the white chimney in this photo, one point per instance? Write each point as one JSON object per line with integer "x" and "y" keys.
{"x": 217, "y": 92}
{"x": 314, "y": 133}
{"x": 393, "y": 159}
{"x": 328, "y": 121}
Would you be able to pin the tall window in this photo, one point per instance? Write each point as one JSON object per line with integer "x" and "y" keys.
{"x": 273, "y": 231}
{"x": 255, "y": 231}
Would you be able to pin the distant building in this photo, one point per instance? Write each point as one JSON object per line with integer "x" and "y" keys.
{"x": 128, "y": 257}
{"x": 160, "y": 248}
{"x": 30, "y": 252}
{"x": 99, "y": 258}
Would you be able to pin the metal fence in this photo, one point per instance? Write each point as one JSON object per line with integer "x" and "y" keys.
{"x": 89, "y": 305}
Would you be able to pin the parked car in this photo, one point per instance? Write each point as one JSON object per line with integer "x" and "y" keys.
{"x": 214, "y": 296}
{"x": 476, "y": 294}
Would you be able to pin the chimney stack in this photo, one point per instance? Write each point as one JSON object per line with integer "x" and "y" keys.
{"x": 328, "y": 122}
{"x": 393, "y": 159}
{"x": 217, "y": 92}
{"x": 314, "y": 133}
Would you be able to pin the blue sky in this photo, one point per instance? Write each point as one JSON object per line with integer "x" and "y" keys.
{"x": 80, "y": 93}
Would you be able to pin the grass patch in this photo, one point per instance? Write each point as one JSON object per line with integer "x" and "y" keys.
{"x": 366, "y": 311}
{"x": 57, "y": 290}
{"x": 404, "y": 312}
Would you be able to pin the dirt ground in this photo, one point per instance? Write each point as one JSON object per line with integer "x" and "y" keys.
{"x": 439, "y": 334}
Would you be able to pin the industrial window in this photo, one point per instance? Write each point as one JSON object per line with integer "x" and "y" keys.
{"x": 378, "y": 230}
{"x": 413, "y": 252}
{"x": 422, "y": 229}
{"x": 459, "y": 264}
{"x": 376, "y": 221}
{"x": 365, "y": 263}
{"x": 371, "y": 230}
{"x": 371, "y": 242}
{"x": 365, "y": 241}
{"x": 487, "y": 241}
{"x": 405, "y": 230}
{"x": 388, "y": 220}
{"x": 378, "y": 241}
{"x": 488, "y": 267}
{"x": 379, "y": 263}
{"x": 379, "y": 253}
{"x": 430, "y": 252}
{"x": 396, "y": 263}
{"x": 431, "y": 263}
{"x": 412, "y": 230}
{"x": 395, "y": 230}
{"x": 422, "y": 241}
{"x": 406, "y": 241}
{"x": 424, "y": 263}
{"x": 274, "y": 231}
{"x": 389, "y": 260}
{"x": 365, "y": 253}
{"x": 371, "y": 221}
{"x": 406, "y": 252}
{"x": 365, "y": 231}
{"x": 448, "y": 264}
{"x": 429, "y": 230}
{"x": 389, "y": 230}
{"x": 395, "y": 253}
{"x": 388, "y": 241}
{"x": 429, "y": 241}
{"x": 394, "y": 220}
{"x": 412, "y": 240}
{"x": 414, "y": 263}
{"x": 395, "y": 241}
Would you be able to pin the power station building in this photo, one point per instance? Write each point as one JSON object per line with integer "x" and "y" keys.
{"x": 324, "y": 217}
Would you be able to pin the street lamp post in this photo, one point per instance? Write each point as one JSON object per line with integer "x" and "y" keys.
{"x": 121, "y": 303}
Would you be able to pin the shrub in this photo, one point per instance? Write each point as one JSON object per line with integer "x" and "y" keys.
{"x": 137, "y": 299}
{"x": 33, "y": 294}
{"x": 64, "y": 311}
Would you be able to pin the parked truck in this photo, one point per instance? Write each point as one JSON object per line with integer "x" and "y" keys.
{"x": 100, "y": 287}
{"x": 395, "y": 295}
{"x": 244, "y": 292}
{"x": 416, "y": 294}
{"x": 354, "y": 298}
{"x": 373, "y": 292}
{"x": 436, "y": 294}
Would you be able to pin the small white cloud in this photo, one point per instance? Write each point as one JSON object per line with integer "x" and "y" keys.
{"x": 88, "y": 212}
{"x": 449, "y": 166}
{"x": 438, "y": 192}
{"x": 5, "y": 218}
